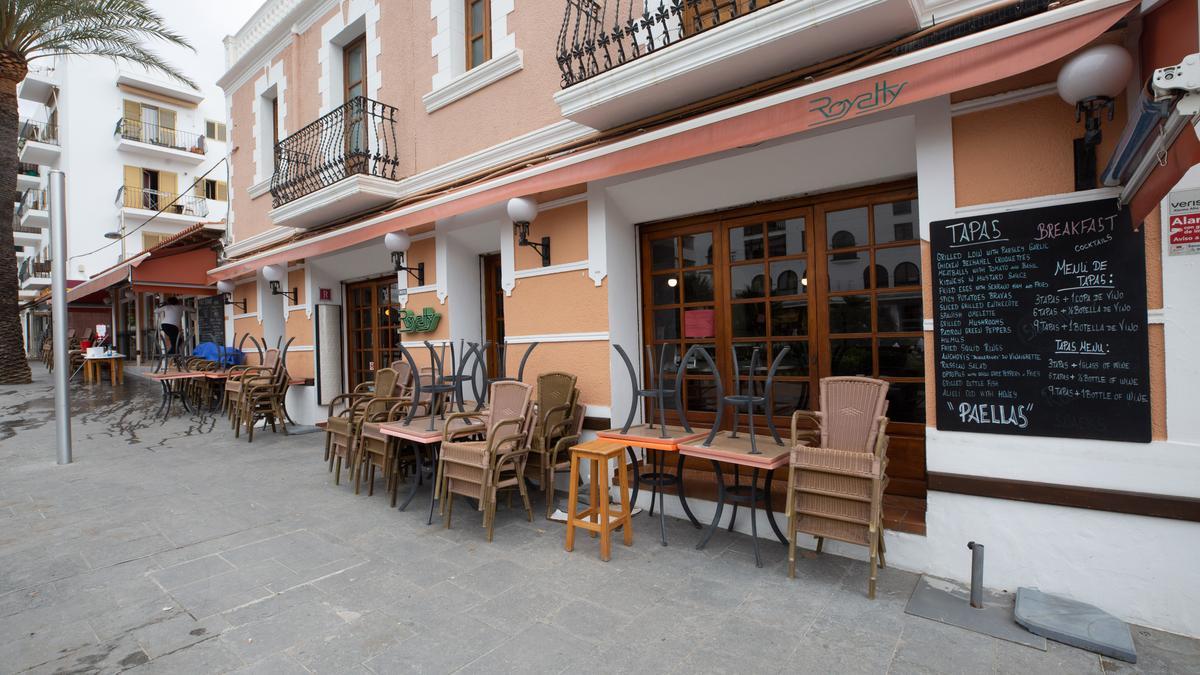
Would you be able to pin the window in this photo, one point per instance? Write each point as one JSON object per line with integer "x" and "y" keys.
{"x": 150, "y": 240}
{"x": 478, "y": 32}
{"x": 214, "y": 130}
{"x": 212, "y": 189}
{"x": 354, "y": 60}
{"x": 274, "y": 123}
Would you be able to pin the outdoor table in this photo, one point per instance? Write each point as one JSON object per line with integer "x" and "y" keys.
{"x": 172, "y": 388}
{"x": 663, "y": 439}
{"x": 419, "y": 437}
{"x": 92, "y": 366}
{"x": 216, "y": 383}
{"x": 729, "y": 449}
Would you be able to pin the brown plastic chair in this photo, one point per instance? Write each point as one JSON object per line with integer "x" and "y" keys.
{"x": 480, "y": 469}
{"x": 835, "y": 485}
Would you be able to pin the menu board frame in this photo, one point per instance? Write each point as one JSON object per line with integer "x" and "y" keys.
{"x": 1056, "y": 340}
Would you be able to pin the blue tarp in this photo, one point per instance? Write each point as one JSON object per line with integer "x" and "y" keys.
{"x": 214, "y": 352}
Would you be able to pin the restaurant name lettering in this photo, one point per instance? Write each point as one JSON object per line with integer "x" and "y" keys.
{"x": 425, "y": 322}
{"x": 881, "y": 95}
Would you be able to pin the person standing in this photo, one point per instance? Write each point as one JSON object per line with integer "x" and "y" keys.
{"x": 170, "y": 320}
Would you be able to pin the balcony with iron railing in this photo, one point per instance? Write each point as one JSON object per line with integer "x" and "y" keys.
{"x": 26, "y": 236}
{"x": 174, "y": 207}
{"x": 356, "y": 141}
{"x": 31, "y": 270}
{"x": 33, "y": 210}
{"x": 156, "y": 140}
{"x": 37, "y": 142}
{"x": 624, "y": 60}
{"x": 28, "y": 176}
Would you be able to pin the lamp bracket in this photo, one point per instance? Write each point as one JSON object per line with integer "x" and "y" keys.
{"x": 417, "y": 272}
{"x": 542, "y": 248}
{"x": 292, "y": 295}
{"x": 236, "y": 304}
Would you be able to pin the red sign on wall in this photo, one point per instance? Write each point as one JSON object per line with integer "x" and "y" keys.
{"x": 1183, "y": 222}
{"x": 326, "y": 294}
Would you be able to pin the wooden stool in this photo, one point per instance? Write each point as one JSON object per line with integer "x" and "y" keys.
{"x": 599, "y": 452}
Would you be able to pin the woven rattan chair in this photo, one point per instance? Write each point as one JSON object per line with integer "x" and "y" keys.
{"x": 262, "y": 398}
{"x": 344, "y": 424}
{"x": 556, "y": 457}
{"x": 233, "y": 383}
{"x": 554, "y": 418}
{"x": 479, "y": 469}
{"x": 835, "y": 486}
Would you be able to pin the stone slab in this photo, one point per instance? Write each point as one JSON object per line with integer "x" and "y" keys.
{"x": 949, "y": 603}
{"x": 1074, "y": 623}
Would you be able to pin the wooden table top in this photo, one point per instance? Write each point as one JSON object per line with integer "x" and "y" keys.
{"x": 418, "y": 431}
{"x": 737, "y": 450}
{"x": 109, "y": 357}
{"x": 645, "y": 436}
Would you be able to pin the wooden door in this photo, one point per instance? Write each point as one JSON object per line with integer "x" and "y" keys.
{"x": 709, "y": 13}
{"x": 834, "y": 278}
{"x": 373, "y": 335}
{"x": 354, "y": 77}
{"x": 493, "y": 311}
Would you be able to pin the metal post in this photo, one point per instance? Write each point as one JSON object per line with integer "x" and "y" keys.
{"x": 58, "y": 304}
{"x": 976, "y": 574}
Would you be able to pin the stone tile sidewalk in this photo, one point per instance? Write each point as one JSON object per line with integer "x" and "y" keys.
{"x": 170, "y": 547}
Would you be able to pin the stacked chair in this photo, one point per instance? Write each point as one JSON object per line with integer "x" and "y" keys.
{"x": 347, "y": 412}
{"x": 838, "y": 473}
{"x": 262, "y": 397}
{"x": 478, "y": 468}
{"x": 558, "y": 416}
{"x": 233, "y": 383}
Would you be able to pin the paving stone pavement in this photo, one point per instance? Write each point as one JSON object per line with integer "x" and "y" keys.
{"x": 171, "y": 547}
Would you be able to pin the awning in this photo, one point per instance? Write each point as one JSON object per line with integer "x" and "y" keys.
{"x": 178, "y": 265}
{"x": 110, "y": 277}
{"x": 935, "y": 71}
{"x": 1169, "y": 33}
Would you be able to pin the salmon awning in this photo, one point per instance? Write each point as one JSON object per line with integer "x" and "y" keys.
{"x": 111, "y": 277}
{"x": 177, "y": 265}
{"x": 920, "y": 75}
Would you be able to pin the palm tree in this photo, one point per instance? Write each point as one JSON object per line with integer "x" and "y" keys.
{"x": 35, "y": 29}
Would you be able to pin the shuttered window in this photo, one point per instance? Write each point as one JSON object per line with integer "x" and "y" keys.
{"x": 214, "y": 130}
{"x": 212, "y": 189}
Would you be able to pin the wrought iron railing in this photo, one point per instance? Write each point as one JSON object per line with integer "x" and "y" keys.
{"x": 32, "y": 199}
{"x": 21, "y": 229}
{"x": 155, "y": 200}
{"x": 27, "y": 169}
{"x": 42, "y": 132}
{"x": 157, "y": 134}
{"x": 598, "y": 35}
{"x": 357, "y": 138}
{"x": 33, "y": 268}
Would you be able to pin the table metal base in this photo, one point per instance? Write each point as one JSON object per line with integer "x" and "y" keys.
{"x": 658, "y": 480}
{"x": 743, "y": 494}
{"x": 173, "y": 389}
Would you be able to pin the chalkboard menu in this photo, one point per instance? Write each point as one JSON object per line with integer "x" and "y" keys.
{"x": 212, "y": 319}
{"x": 1040, "y": 323}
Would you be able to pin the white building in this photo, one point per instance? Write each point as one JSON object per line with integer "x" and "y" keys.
{"x": 132, "y": 145}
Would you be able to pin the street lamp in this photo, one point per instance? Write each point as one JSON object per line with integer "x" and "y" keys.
{"x": 1090, "y": 81}
{"x": 275, "y": 274}
{"x": 226, "y": 287}
{"x": 399, "y": 243}
{"x": 522, "y": 211}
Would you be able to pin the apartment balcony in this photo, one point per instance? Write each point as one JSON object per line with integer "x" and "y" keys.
{"x": 38, "y": 85}
{"x": 34, "y": 274}
{"x": 28, "y": 176}
{"x": 27, "y": 236}
{"x": 153, "y": 140}
{"x": 143, "y": 203}
{"x": 625, "y": 60}
{"x": 344, "y": 163}
{"x": 34, "y": 210}
{"x": 37, "y": 143}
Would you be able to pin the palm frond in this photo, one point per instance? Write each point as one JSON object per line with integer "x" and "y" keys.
{"x": 118, "y": 29}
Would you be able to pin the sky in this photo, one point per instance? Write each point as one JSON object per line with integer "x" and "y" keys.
{"x": 205, "y": 23}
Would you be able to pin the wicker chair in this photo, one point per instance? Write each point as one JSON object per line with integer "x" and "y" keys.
{"x": 344, "y": 424}
{"x": 557, "y": 456}
{"x": 555, "y": 418}
{"x": 479, "y": 469}
{"x": 835, "y": 486}
{"x": 262, "y": 397}
{"x": 233, "y": 383}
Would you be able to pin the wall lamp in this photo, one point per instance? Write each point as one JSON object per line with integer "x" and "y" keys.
{"x": 398, "y": 243}
{"x": 275, "y": 274}
{"x": 522, "y": 211}
{"x": 1090, "y": 81}
{"x": 226, "y": 287}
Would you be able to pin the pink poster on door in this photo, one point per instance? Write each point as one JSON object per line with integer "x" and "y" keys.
{"x": 698, "y": 323}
